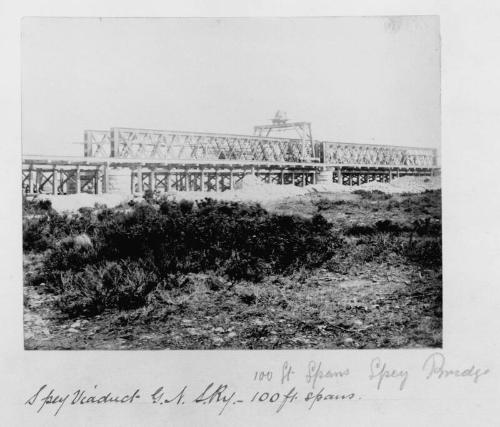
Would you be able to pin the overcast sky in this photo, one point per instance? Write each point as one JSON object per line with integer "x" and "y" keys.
{"x": 366, "y": 80}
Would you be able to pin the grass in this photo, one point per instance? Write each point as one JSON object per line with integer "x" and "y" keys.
{"x": 180, "y": 273}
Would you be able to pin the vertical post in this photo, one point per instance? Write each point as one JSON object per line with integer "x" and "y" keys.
{"x": 87, "y": 146}
{"x": 152, "y": 180}
{"x": 38, "y": 180}
{"x": 188, "y": 180}
{"x": 97, "y": 178}
{"x": 339, "y": 176}
{"x": 62, "y": 182}
{"x": 216, "y": 180}
{"x": 282, "y": 176}
{"x": 77, "y": 179}
{"x": 113, "y": 138}
{"x": 105, "y": 178}
{"x": 398, "y": 173}
{"x": 139, "y": 179}
{"x": 202, "y": 180}
{"x": 54, "y": 180}
{"x": 167, "y": 180}
{"x": 30, "y": 180}
{"x": 96, "y": 181}
{"x": 302, "y": 181}
{"x": 231, "y": 179}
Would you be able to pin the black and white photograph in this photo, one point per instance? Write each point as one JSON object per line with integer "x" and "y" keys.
{"x": 234, "y": 213}
{"x": 232, "y": 183}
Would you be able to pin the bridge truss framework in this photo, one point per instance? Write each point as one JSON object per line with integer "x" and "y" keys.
{"x": 191, "y": 161}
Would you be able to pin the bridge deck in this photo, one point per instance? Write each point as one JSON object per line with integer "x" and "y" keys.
{"x": 41, "y": 160}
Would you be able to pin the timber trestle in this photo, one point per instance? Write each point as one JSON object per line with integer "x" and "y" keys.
{"x": 136, "y": 160}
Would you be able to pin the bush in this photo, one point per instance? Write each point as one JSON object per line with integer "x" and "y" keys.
{"x": 122, "y": 286}
{"x": 323, "y": 204}
{"x": 360, "y": 230}
{"x": 428, "y": 253}
{"x": 149, "y": 196}
{"x": 243, "y": 242}
{"x": 425, "y": 252}
{"x": 36, "y": 235}
{"x": 36, "y": 207}
{"x": 241, "y": 267}
{"x": 372, "y": 195}
{"x": 388, "y": 226}
{"x": 427, "y": 226}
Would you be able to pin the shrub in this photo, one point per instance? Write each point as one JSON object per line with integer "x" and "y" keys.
{"x": 243, "y": 242}
{"x": 122, "y": 286}
{"x": 427, "y": 253}
{"x": 384, "y": 226}
{"x": 247, "y": 296}
{"x": 241, "y": 267}
{"x": 81, "y": 293}
{"x": 215, "y": 283}
{"x": 360, "y": 230}
{"x": 427, "y": 226}
{"x": 388, "y": 226}
{"x": 149, "y": 196}
{"x": 323, "y": 204}
{"x": 372, "y": 195}
{"x": 36, "y": 235}
{"x": 36, "y": 207}
{"x": 86, "y": 211}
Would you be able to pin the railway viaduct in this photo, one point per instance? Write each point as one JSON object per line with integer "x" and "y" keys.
{"x": 135, "y": 160}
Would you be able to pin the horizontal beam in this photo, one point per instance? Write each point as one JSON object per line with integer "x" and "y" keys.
{"x": 374, "y": 146}
{"x": 282, "y": 125}
{"x": 119, "y": 161}
{"x": 207, "y": 134}
{"x": 30, "y": 159}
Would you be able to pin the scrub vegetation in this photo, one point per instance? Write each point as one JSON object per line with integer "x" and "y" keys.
{"x": 305, "y": 272}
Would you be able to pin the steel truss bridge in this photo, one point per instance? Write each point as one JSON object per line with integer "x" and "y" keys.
{"x": 175, "y": 160}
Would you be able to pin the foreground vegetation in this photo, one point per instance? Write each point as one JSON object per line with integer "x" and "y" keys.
{"x": 211, "y": 274}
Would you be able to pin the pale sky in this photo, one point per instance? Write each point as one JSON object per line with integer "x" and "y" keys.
{"x": 364, "y": 80}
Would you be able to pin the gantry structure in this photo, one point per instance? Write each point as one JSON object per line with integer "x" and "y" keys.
{"x": 136, "y": 160}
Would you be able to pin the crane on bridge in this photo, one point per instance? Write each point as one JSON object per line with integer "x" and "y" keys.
{"x": 279, "y": 123}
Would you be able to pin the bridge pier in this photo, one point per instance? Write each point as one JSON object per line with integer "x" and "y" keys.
{"x": 133, "y": 177}
{"x": 324, "y": 176}
{"x": 339, "y": 176}
{"x": 31, "y": 181}
{"x": 55, "y": 181}
{"x": 77, "y": 180}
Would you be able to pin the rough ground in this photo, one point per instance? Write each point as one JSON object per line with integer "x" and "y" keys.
{"x": 250, "y": 189}
{"x": 379, "y": 306}
{"x": 346, "y": 209}
{"x": 390, "y": 304}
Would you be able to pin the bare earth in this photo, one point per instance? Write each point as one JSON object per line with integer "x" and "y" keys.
{"x": 389, "y": 304}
